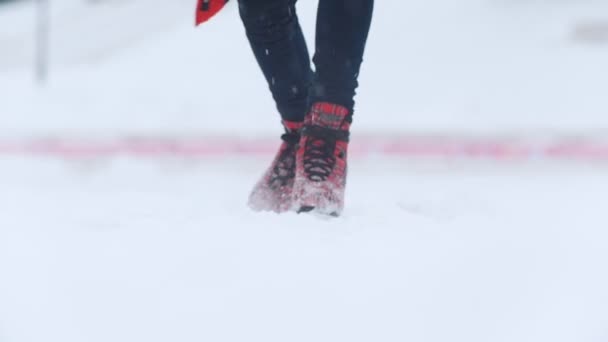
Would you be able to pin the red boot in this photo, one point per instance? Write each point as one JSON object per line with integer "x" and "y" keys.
{"x": 321, "y": 160}
{"x": 274, "y": 191}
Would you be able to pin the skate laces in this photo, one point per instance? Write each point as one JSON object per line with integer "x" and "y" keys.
{"x": 284, "y": 169}
{"x": 319, "y": 151}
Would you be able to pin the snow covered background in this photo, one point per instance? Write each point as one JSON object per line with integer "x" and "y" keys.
{"x": 164, "y": 249}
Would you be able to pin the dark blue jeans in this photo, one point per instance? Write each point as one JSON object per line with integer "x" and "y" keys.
{"x": 277, "y": 41}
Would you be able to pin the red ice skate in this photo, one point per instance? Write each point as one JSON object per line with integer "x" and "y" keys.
{"x": 274, "y": 191}
{"x": 321, "y": 160}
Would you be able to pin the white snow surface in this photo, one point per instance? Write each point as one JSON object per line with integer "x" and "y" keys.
{"x": 168, "y": 252}
{"x": 126, "y": 249}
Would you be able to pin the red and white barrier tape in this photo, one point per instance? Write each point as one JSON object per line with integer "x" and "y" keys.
{"x": 592, "y": 150}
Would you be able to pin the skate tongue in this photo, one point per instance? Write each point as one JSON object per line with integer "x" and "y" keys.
{"x": 329, "y": 115}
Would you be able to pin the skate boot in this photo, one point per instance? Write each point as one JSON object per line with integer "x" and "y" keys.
{"x": 321, "y": 160}
{"x": 274, "y": 191}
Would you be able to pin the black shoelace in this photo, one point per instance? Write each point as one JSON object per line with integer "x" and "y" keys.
{"x": 319, "y": 157}
{"x": 285, "y": 168}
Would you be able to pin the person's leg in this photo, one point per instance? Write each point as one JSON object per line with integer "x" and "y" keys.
{"x": 342, "y": 30}
{"x": 277, "y": 41}
{"x": 278, "y": 44}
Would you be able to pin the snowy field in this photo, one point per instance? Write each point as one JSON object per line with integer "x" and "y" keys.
{"x": 160, "y": 247}
{"x": 138, "y": 251}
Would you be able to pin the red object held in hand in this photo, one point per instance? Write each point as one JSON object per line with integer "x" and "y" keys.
{"x": 205, "y": 9}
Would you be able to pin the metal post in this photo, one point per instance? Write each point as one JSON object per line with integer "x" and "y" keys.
{"x": 42, "y": 40}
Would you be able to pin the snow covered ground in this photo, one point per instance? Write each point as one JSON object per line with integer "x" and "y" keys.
{"x": 137, "y": 251}
{"x": 163, "y": 248}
